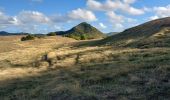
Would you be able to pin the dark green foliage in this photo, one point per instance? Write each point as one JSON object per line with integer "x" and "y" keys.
{"x": 51, "y": 34}
{"x": 28, "y": 37}
{"x": 83, "y": 37}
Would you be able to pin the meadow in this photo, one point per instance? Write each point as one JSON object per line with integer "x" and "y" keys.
{"x": 59, "y": 68}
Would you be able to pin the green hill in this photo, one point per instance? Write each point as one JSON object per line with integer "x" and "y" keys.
{"x": 82, "y": 31}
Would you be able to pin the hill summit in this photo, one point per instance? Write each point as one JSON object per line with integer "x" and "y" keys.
{"x": 155, "y": 33}
{"x": 82, "y": 31}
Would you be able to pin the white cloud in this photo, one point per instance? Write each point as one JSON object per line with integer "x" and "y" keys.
{"x": 82, "y": 14}
{"x": 24, "y": 17}
{"x": 74, "y": 15}
{"x": 31, "y": 21}
{"x": 114, "y": 18}
{"x": 132, "y": 10}
{"x": 15, "y": 21}
{"x": 109, "y": 5}
{"x": 129, "y": 1}
{"x": 95, "y": 5}
{"x": 26, "y": 21}
{"x": 102, "y": 25}
{"x": 31, "y": 17}
{"x": 118, "y": 21}
{"x": 35, "y": 17}
{"x": 5, "y": 19}
{"x": 113, "y": 7}
{"x": 160, "y": 12}
{"x": 118, "y": 26}
{"x": 146, "y": 9}
{"x": 153, "y": 17}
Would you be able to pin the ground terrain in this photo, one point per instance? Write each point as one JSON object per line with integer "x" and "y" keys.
{"x": 57, "y": 68}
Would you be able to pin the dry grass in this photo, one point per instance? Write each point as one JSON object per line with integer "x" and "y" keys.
{"x": 17, "y": 57}
{"x": 84, "y": 73}
{"x": 17, "y": 52}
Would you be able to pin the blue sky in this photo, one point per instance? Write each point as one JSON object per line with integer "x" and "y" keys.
{"x": 43, "y": 16}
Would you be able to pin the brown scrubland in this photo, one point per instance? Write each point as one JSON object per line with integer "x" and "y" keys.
{"x": 60, "y": 68}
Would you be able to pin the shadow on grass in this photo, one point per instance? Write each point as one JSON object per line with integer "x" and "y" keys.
{"x": 144, "y": 77}
{"x": 94, "y": 82}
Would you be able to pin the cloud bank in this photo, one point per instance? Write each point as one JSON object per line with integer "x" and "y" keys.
{"x": 119, "y": 14}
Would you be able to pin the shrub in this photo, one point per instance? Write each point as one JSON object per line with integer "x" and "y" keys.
{"x": 83, "y": 37}
{"x": 28, "y": 37}
{"x": 51, "y": 34}
{"x": 74, "y": 36}
{"x": 78, "y": 36}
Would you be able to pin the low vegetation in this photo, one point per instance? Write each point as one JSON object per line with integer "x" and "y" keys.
{"x": 51, "y": 34}
{"x": 78, "y": 36}
{"x": 28, "y": 37}
{"x": 33, "y": 37}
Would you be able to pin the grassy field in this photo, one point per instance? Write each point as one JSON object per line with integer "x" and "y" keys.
{"x": 57, "y": 68}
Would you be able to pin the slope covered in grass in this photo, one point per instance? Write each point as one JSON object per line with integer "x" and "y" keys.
{"x": 94, "y": 73}
{"x": 150, "y": 34}
{"x": 82, "y": 31}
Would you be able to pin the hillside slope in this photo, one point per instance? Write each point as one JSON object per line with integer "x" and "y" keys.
{"x": 4, "y": 33}
{"x": 150, "y": 34}
{"x": 58, "y": 68}
{"x": 82, "y": 29}
{"x": 88, "y": 73}
{"x": 112, "y": 33}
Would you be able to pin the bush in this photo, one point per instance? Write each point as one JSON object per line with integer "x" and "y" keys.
{"x": 72, "y": 36}
{"x": 83, "y": 37}
{"x": 78, "y": 36}
{"x": 28, "y": 37}
{"x": 51, "y": 34}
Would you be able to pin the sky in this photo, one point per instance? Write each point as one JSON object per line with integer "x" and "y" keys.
{"x": 43, "y": 16}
